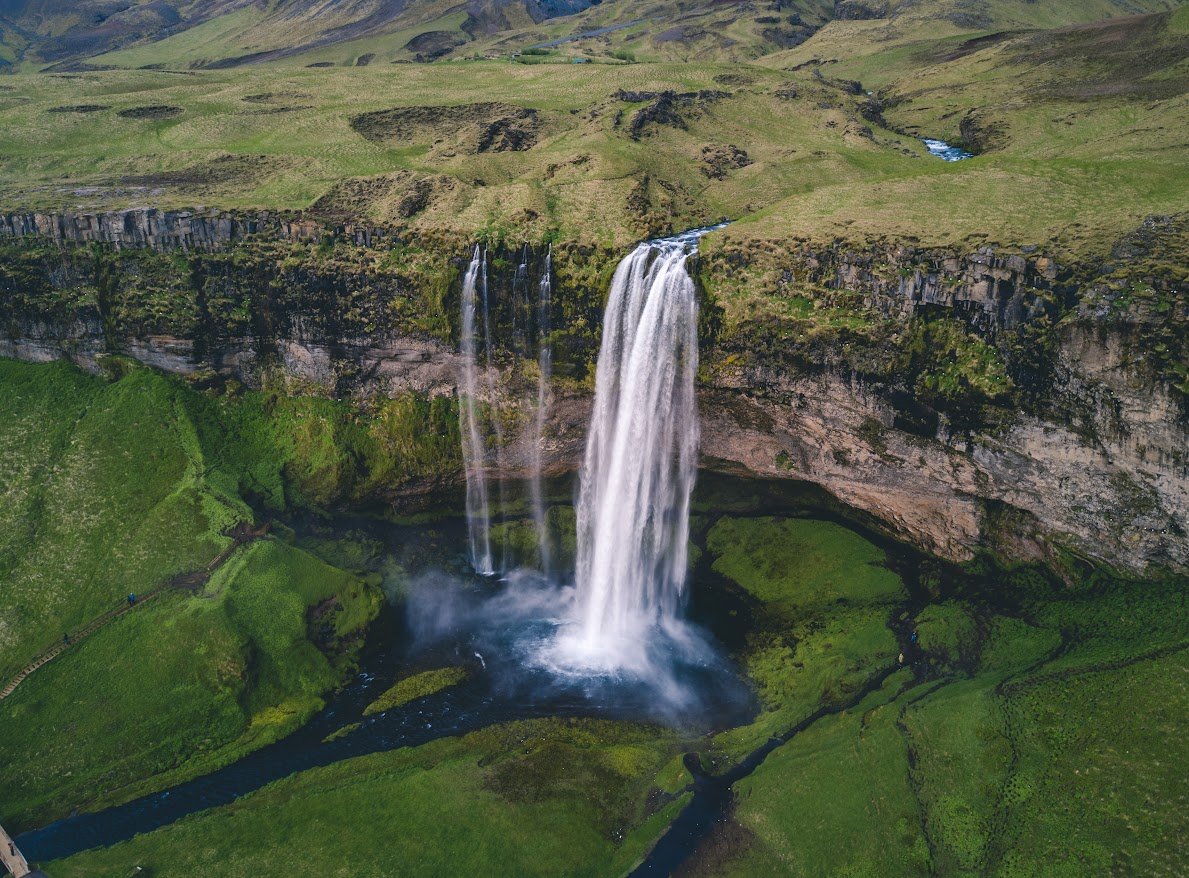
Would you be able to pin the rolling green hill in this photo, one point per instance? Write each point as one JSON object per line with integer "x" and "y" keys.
{"x": 1077, "y": 130}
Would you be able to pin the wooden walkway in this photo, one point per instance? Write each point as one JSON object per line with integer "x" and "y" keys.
{"x": 240, "y": 534}
{"x": 11, "y": 856}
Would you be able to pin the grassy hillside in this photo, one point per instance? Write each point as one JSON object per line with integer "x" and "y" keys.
{"x": 1076, "y": 129}
{"x": 68, "y": 34}
{"x": 184, "y": 33}
{"x": 285, "y": 137}
{"x": 115, "y": 486}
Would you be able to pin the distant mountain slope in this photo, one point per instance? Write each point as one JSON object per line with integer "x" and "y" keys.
{"x": 222, "y": 33}
{"x": 734, "y": 30}
{"x": 248, "y": 30}
{"x": 60, "y": 29}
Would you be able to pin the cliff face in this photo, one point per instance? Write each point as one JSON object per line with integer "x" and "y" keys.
{"x": 967, "y": 401}
{"x": 164, "y": 230}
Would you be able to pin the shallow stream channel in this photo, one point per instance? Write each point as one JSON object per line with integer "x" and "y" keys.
{"x": 439, "y": 614}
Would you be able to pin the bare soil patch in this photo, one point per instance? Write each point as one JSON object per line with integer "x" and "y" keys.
{"x": 223, "y": 172}
{"x": 401, "y": 195}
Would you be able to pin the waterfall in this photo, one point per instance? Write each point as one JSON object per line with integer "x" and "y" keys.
{"x": 640, "y": 463}
{"x": 474, "y": 450}
{"x": 522, "y": 309}
{"x": 544, "y": 377}
{"x": 497, "y": 426}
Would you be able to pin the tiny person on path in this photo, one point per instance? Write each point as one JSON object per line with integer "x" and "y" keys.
{"x": 66, "y": 639}
{"x": 131, "y": 598}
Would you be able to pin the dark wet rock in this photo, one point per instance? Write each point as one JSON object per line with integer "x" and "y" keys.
{"x": 982, "y": 133}
{"x": 667, "y": 108}
{"x": 859, "y": 10}
{"x": 872, "y": 110}
{"x": 1154, "y": 236}
{"x": 787, "y": 36}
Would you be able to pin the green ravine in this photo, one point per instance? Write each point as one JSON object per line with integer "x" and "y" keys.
{"x": 964, "y": 762}
{"x": 944, "y": 409}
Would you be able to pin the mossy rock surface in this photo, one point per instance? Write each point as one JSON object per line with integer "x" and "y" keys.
{"x": 801, "y": 563}
{"x": 417, "y": 686}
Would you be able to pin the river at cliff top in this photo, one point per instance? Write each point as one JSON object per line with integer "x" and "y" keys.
{"x": 944, "y": 151}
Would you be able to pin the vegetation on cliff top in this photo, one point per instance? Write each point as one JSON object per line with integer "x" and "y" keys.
{"x": 1075, "y": 129}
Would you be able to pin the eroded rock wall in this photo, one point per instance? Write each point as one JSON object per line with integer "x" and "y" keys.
{"x": 1093, "y": 464}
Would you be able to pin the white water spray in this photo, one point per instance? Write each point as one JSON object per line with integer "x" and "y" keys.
{"x": 640, "y": 464}
{"x": 544, "y": 379}
{"x": 474, "y": 450}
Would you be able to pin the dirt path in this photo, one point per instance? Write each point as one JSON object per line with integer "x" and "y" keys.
{"x": 242, "y": 533}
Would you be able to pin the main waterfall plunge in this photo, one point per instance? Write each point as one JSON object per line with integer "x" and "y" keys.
{"x": 641, "y": 457}
{"x": 637, "y": 474}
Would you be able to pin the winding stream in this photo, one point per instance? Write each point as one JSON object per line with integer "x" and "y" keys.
{"x": 500, "y": 689}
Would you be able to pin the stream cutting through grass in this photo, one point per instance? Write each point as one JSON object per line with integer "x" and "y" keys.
{"x": 442, "y": 617}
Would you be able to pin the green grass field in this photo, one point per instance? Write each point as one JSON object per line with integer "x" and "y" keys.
{"x": 1054, "y": 753}
{"x": 551, "y": 797}
{"x": 1081, "y": 128}
{"x": 115, "y": 485}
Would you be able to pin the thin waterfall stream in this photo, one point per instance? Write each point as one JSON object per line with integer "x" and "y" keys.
{"x": 489, "y": 384}
{"x": 474, "y": 449}
{"x": 544, "y": 389}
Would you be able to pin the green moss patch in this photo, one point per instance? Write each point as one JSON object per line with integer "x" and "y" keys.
{"x": 800, "y": 563}
{"x": 417, "y": 686}
{"x": 809, "y": 816}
